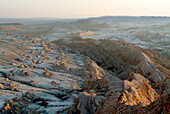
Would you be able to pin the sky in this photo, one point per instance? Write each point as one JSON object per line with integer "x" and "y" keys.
{"x": 82, "y": 8}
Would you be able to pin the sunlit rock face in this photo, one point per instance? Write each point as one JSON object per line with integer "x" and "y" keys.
{"x": 120, "y": 59}
{"x": 132, "y": 76}
{"x": 81, "y": 76}
{"x": 138, "y": 90}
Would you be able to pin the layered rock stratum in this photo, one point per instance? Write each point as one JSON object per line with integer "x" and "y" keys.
{"x": 81, "y": 76}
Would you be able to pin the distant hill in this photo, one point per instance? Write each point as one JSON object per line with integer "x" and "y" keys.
{"x": 9, "y": 24}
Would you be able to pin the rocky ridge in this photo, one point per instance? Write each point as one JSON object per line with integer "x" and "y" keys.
{"x": 144, "y": 76}
{"x": 81, "y": 76}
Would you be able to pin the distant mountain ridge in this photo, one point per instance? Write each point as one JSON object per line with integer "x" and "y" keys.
{"x": 110, "y": 17}
{"x": 6, "y": 24}
{"x": 106, "y": 16}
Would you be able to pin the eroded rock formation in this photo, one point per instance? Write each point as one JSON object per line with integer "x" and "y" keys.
{"x": 120, "y": 59}
{"x": 82, "y": 76}
{"x": 139, "y": 70}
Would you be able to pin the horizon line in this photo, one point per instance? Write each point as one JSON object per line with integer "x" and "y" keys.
{"x": 81, "y": 17}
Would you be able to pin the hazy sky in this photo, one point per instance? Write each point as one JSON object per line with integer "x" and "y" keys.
{"x": 82, "y": 8}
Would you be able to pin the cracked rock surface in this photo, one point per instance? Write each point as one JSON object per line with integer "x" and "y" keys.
{"x": 81, "y": 76}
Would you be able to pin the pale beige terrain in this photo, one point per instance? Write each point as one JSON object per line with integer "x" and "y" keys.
{"x": 143, "y": 85}
{"x": 36, "y": 73}
{"x": 26, "y": 28}
{"x": 77, "y": 75}
{"x": 80, "y": 76}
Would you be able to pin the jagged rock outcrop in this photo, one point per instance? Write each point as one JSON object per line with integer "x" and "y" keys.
{"x": 139, "y": 68}
{"x": 33, "y": 65}
{"x": 89, "y": 102}
{"x": 39, "y": 61}
{"x": 62, "y": 56}
{"x": 103, "y": 76}
{"x": 62, "y": 65}
{"x": 138, "y": 90}
{"x": 20, "y": 105}
{"x": 120, "y": 59}
{"x": 23, "y": 66}
{"x": 93, "y": 70}
{"x": 99, "y": 79}
{"x": 42, "y": 53}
